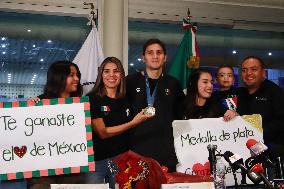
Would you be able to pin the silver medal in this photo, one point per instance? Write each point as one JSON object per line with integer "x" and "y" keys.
{"x": 149, "y": 111}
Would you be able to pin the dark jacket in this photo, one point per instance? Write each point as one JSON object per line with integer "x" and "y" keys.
{"x": 211, "y": 109}
{"x": 230, "y": 99}
{"x": 268, "y": 101}
{"x": 154, "y": 137}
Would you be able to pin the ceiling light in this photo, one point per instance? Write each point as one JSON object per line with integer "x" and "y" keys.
{"x": 3, "y": 45}
{"x": 3, "y": 38}
{"x": 41, "y": 59}
{"x": 49, "y": 41}
{"x": 3, "y": 52}
{"x": 234, "y": 52}
{"x": 270, "y": 54}
{"x": 34, "y": 45}
{"x": 131, "y": 64}
{"x": 29, "y": 30}
{"x": 139, "y": 59}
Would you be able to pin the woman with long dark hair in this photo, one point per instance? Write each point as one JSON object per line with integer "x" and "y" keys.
{"x": 63, "y": 81}
{"x": 199, "y": 102}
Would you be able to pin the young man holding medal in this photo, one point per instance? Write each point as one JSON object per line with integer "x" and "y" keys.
{"x": 162, "y": 96}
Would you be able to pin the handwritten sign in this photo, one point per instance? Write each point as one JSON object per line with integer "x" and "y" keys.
{"x": 51, "y": 137}
{"x": 191, "y": 138}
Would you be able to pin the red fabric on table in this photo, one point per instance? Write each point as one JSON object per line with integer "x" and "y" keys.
{"x": 156, "y": 176}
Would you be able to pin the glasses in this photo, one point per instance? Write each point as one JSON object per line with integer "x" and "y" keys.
{"x": 111, "y": 72}
{"x": 152, "y": 52}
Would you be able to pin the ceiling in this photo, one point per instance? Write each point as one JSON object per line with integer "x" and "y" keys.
{"x": 255, "y": 25}
{"x": 233, "y": 13}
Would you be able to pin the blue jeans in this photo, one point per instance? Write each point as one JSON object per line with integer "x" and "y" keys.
{"x": 102, "y": 174}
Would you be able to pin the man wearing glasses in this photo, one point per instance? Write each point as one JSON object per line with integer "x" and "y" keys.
{"x": 162, "y": 96}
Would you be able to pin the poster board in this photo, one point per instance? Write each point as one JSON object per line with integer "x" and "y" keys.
{"x": 191, "y": 138}
{"x": 51, "y": 137}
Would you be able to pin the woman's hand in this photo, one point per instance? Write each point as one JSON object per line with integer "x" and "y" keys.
{"x": 140, "y": 117}
{"x": 229, "y": 114}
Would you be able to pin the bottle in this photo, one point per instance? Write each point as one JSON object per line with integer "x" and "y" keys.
{"x": 219, "y": 174}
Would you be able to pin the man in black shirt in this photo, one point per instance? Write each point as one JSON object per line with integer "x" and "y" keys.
{"x": 267, "y": 99}
{"x": 153, "y": 88}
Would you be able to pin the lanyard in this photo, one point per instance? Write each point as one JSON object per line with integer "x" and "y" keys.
{"x": 150, "y": 98}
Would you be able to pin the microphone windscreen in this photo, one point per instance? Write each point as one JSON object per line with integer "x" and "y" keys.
{"x": 258, "y": 168}
{"x": 250, "y": 143}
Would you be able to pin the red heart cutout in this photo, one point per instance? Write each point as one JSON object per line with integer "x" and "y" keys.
{"x": 20, "y": 151}
{"x": 201, "y": 170}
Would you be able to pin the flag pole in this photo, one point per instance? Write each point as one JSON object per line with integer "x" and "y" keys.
{"x": 186, "y": 58}
{"x": 188, "y": 16}
{"x": 90, "y": 56}
{"x": 92, "y": 18}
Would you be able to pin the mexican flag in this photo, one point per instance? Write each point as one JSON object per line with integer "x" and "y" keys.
{"x": 187, "y": 55}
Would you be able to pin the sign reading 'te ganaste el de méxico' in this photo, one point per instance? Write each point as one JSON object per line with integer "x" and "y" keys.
{"x": 191, "y": 138}
{"x": 51, "y": 137}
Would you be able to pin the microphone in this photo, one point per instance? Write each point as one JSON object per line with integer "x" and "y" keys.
{"x": 236, "y": 162}
{"x": 212, "y": 157}
{"x": 279, "y": 168}
{"x": 253, "y": 164}
{"x": 259, "y": 150}
{"x": 259, "y": 169}
{"x": 250, "y": 162}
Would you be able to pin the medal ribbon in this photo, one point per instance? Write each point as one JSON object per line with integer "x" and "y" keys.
{"x": 150, "y": 98}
